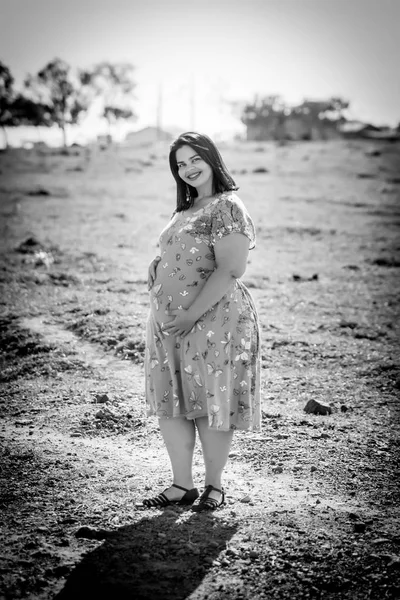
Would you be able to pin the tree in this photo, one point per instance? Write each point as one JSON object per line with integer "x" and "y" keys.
{"x": 56, "y": 87}
{"x": 337, "y": 108}
{"x": 113, "y": 85}
{"x": 27, "y": 112}
{"x": 6, "y": 99}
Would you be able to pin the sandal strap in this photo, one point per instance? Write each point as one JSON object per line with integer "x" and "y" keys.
{"x": 179, "y": 487}
{"x": 160, "y": 500}
{"x": 209, "y": 488}
{"x": 211, "y": 502}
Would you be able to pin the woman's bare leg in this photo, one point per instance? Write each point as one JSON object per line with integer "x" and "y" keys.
{"x": 179, "y": 436}
{"x": 216, "y": 446}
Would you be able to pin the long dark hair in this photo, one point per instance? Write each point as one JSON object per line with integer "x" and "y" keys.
{"x": 207, "y": 150}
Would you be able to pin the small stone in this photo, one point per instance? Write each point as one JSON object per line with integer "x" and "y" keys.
{"x": 62, "y": 570}
{"x": 253, "y": 554}
{"x": 353, "y": 516}
{"x": 225, "y": 562}
{"x": 313, "y": 469}
{"x": 68, "y": 520}
{"x": 359, "y": 527}
{"x": 395, "y": 562}
{"x": 344, "y": 408}
{"x": 42, "y": 529}
{"x": 245, "y": 499}
{"x": 101, "y": 398}
{"x": 386, "y": 556}
{"x": 86, "y": 532}
{"x": 91, "y": 533}
{"x": 314, "y": 407}
{"x": 63, "y": 543}
{"x": 277, "y": 470}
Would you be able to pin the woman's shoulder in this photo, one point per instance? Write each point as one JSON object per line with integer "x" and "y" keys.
{"x": 229, "y": 200}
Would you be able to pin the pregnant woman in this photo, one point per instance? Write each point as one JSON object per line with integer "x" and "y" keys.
{"x": 202, "y": 364}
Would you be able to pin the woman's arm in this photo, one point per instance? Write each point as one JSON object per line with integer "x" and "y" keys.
{"x": 231, "y": 253}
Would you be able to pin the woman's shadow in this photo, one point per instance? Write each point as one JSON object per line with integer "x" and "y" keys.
{"x": 166, "y": 556}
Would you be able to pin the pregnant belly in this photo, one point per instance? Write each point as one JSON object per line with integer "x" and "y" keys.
{"x": 172, "y": 292}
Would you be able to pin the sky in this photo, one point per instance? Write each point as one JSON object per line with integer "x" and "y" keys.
{"x": 193, "y": 58}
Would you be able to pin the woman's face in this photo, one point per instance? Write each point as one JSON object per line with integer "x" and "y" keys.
{"x": 192, "y": 168}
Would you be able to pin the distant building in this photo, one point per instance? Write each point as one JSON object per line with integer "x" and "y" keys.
{"x": 147, "y": 137}
{"x": 269, "y": 119}
{"x": 357, "y": 130}
{"x": 292, "y": 127}
{"x": 385, "y": 133}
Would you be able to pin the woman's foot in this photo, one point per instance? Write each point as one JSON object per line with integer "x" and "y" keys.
{"x": 175, "y": 494}
{"x": 210, "y": 499}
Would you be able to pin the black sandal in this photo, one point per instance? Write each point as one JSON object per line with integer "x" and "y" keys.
{"x": 161, "y": 500}
{"x": 206, "y": 503}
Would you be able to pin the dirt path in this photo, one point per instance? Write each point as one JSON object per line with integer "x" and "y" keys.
{"x": 301, "y": 519}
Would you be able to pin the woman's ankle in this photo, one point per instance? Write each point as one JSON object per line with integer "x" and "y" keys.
{"x": 214, "y": 483}
{"x": 183, "y": 483}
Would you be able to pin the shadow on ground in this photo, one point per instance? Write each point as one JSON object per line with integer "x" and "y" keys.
{"x": 166, "y": 556}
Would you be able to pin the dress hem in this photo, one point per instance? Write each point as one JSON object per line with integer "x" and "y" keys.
{"x": 250, "y": 429}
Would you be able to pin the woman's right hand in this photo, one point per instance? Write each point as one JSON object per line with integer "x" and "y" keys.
{"x": 152, "y": 272}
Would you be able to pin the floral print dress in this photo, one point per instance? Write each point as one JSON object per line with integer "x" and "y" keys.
{"x": 214, "y": 370}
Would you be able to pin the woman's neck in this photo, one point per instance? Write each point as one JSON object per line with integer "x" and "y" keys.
{"x": 199, "y": 199}
{"x": 204, "y": 192}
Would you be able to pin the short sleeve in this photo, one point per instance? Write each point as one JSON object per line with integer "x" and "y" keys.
{"x": 230, "y": 216}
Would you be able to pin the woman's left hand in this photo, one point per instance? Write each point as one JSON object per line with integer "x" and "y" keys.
{"x": 182, "y": 323}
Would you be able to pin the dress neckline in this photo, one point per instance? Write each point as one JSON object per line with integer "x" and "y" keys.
{"x": 204, "y": 207}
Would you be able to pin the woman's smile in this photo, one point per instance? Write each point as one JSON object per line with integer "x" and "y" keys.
{"x": 193, "y": 176}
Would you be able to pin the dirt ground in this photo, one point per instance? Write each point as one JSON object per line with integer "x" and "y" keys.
{"x": 312, "y": 501}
